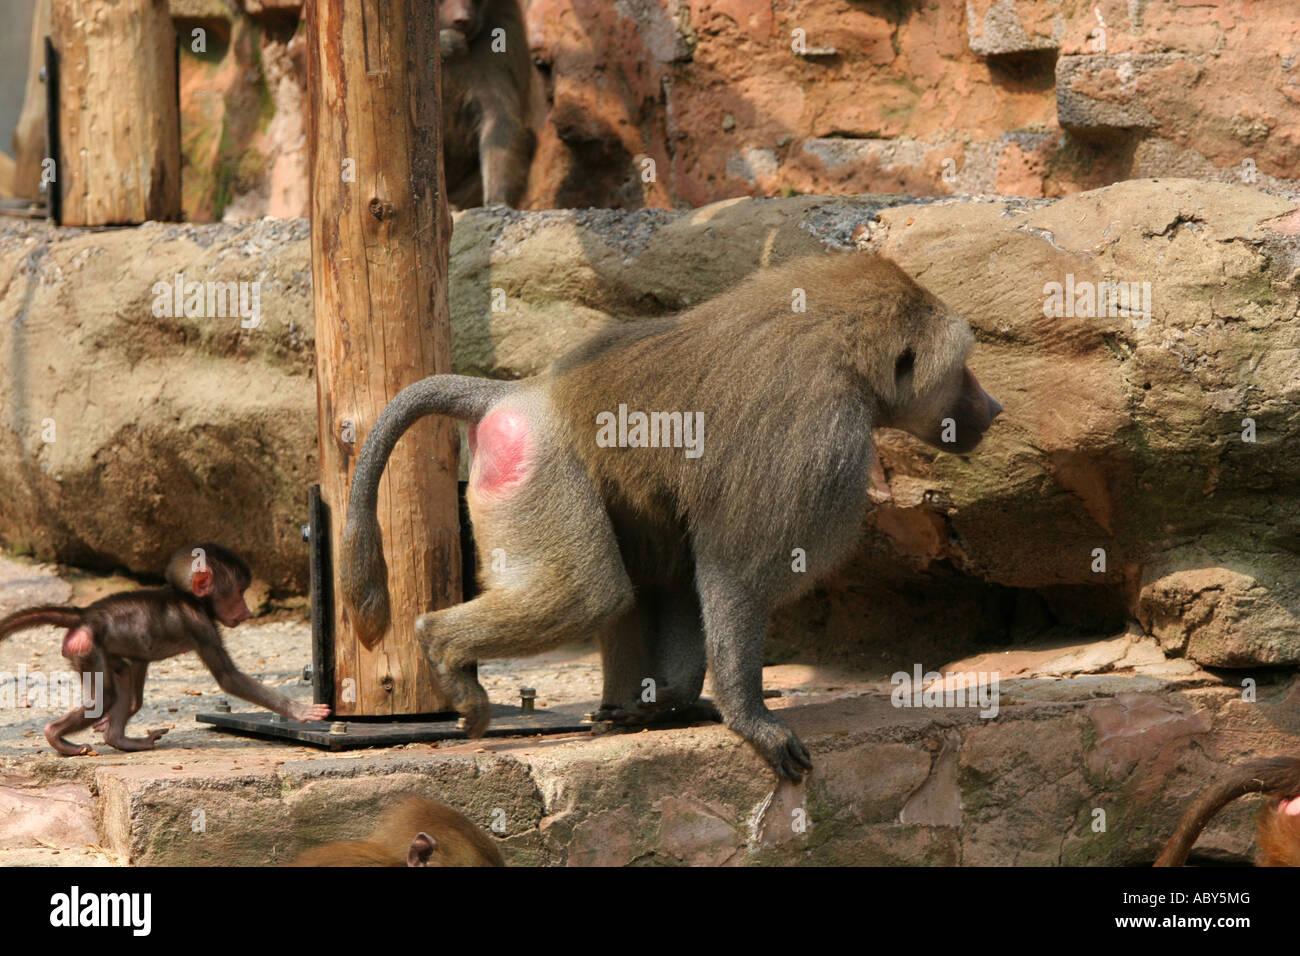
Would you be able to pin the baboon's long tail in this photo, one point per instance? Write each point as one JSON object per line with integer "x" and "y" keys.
{"x": 1276, "y": 776}
{"x": 54, "y": 615}
{"x": 363, "y": 572}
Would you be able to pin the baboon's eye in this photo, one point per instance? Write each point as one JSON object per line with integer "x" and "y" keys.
{"x": 904, "y": 364}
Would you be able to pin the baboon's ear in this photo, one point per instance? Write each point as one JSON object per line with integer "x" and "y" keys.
{"x": 421, "y": 850}
{"x": 201, "y": 583}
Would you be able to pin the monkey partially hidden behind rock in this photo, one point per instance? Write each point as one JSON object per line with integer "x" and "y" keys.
{"x": 120, "y": 635}
{"x": 416, "y": 832}
{"x": 669, "y": 484}
{"x": 487, "y": 143}
{"x": 1277, "y": 826}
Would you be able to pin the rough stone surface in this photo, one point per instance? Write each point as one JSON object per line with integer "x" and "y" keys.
{"x": 128, "y": 432}
{"x": 58, "y": 816}
{"x": 1094, "y": 749}
{"x": 1219, "y": 617}
{"x": 939, "y": 786}
{"x": 1109, "y": 92}
{"x": 1001, "y": 32}
{"x": 1125, "y": 454}
{"x": 749, "y": 98}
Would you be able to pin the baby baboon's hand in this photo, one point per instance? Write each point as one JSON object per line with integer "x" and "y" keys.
{"x": 303, "y": 713}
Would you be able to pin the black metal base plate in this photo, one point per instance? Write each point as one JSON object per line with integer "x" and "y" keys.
{"x": 507, "y": 721}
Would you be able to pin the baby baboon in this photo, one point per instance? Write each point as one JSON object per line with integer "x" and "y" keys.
{"x": 672, "y": 482}
{"x": 1278, "y": 824}
{"x": 416, "y": 832}
{"x": 120, "y": 635}
{"x": 487, "y": 143}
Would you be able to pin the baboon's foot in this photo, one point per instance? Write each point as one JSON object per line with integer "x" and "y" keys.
{"x": 662, "y": 711}
{"x": 777, "y": 744}
{"x": 468, "y": 697}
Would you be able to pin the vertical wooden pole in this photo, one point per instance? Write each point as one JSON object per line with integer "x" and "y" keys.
{"x": 29, "y": 134}
{"x": 379, "y": 245}
{"x": 119, "y": 121}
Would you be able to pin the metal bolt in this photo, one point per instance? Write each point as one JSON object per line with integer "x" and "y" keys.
{"x": 222, "y": 706}
{"x": 589, "y": 717}
{"x": 306, "y": 673}
{"x": 527, "y": 696}
{"x": 277, "y": 719}
{"x": 461, "y": 723}
{"x": 338, "y": 728}
{"x": 306, "y": 532}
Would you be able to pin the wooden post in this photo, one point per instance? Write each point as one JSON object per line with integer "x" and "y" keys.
{"x": 119, "y": 157}
{"x": 29, "y": 134}
{"x": 379, "y": 246}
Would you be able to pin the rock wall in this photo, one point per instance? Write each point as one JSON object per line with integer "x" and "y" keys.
{"x": 1144, "y": 470}
{"x": 672, "y": 103}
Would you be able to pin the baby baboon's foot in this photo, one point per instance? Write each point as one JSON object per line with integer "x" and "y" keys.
{"x": 67, "y": 747}
{"x": 122, "y": 742}
{"x": 777, "y": 744}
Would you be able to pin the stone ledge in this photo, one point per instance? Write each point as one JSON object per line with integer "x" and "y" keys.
{"x": 892, "y": 786}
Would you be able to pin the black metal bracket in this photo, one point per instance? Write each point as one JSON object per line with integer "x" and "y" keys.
{"x": 321, "y": 588}
{"x": 349, "y": 734}
{"x": 322, "y": 598}
{"x": 54, "y": 189}
{"x": 353, "y": 732}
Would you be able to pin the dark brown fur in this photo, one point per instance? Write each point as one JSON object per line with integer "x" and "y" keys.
{"x": 120, "y": 635}
{"x": 671, "y": 561}
{"x": 1278, "y": 778}
{"x": 416, "y": 832}
{"x": 487, "y": 142}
